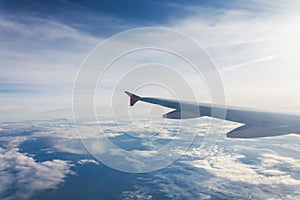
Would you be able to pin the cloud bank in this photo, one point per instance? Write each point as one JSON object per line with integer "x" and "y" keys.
{"x": 21, "y": 175}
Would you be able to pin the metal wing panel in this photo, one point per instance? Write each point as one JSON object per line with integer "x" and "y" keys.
{"x": 257, "y": 123}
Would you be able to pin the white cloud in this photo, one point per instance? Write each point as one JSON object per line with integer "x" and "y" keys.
{"x": 231, "y": 175}
{"x": 39, "y": 60}
{"x": 138, "y": 194}
{"x": 228, "y": 166}
{"x": 12, "y": 141}
{"x": 256, "y": 49}
{"x": 86, "y": 161}
{"x": 222, "y": 172}
{"x": 271, "y": 160}
{"x": 22, "y": 173}
{"x": 256, "y": 54}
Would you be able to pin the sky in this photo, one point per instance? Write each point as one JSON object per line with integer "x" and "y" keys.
{"x": 254, "y": 45}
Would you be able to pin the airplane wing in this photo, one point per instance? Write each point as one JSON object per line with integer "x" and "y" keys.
{"x": 256, "y": 123}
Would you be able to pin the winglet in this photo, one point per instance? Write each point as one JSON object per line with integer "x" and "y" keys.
{"x": 133, "y": 98}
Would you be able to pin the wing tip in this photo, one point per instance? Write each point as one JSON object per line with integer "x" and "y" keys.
{"x": 133, "y": 98}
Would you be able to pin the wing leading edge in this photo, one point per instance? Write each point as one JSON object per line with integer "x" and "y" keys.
{"x": 257, "y": 123}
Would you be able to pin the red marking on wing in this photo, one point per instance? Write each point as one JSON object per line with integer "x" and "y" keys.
{"x": 133, "y": 98}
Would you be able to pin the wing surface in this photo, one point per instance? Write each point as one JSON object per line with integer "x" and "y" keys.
{"x": 256, "y": 123}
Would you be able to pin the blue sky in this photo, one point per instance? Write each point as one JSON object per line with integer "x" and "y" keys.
{"x": 254, "y": 44}
{"x": 103, "y": 18}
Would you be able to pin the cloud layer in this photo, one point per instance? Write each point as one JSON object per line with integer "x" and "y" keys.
{"x": 21, "y": 175}
{"x": 259, "y": 168}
